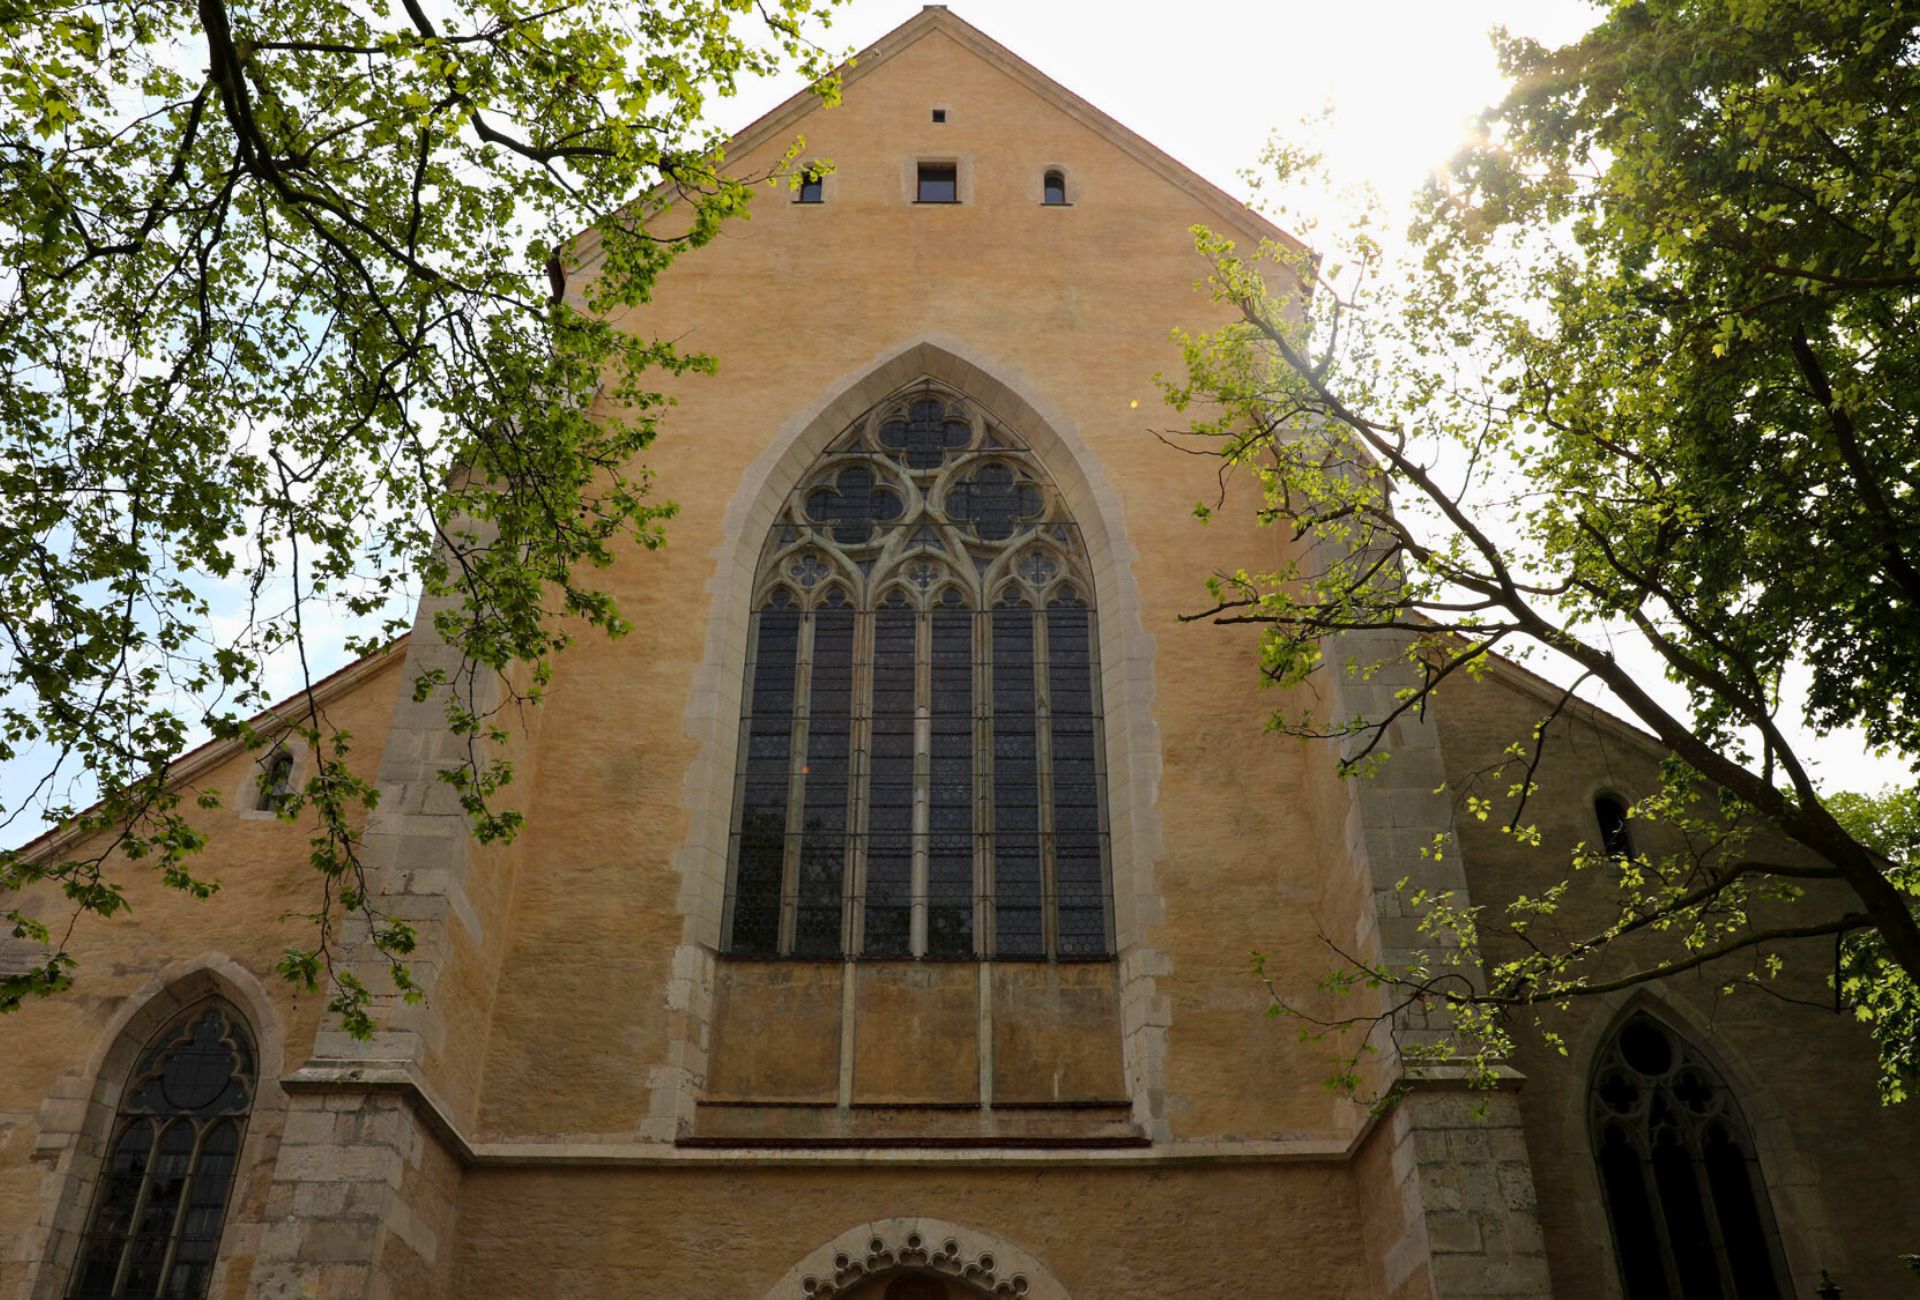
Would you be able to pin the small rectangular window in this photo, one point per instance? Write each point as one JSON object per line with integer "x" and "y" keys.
{"x": 939, "y": 183}
{"x": 1054, "y": 193}
{"x": 939, "y": 114}
{"x": 812, "y": 188}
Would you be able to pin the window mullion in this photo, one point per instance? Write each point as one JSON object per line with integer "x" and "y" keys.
{"x": 859, "y": 793}
{"x": 1669, "y": 1257}
{"x": 922, "y": 773}
{"x": 796, "y": 789}
{"x": 186, "y": 1200}
{"x": 742, "y": 760}
{"x": 1710, "y": 1209}
{"x": 985, "y": 941}
{"x": 119, "y": 1286}
{"x": 1043, "y": 771}
{"x": 1098, "y": 704}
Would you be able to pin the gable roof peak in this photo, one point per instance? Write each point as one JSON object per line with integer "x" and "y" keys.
{"x": 938, "y": 17}
{"x": 784, "y": 117}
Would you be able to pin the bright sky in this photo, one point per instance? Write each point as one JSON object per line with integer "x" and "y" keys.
{"x": 1401, "y": 77}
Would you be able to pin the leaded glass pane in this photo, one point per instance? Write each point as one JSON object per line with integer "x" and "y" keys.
{"x": 1683, "y": 1191}
{"x": 1017, "y": 893}
{"x": 948, "y": 780}
{"x": 889, "y": 912}
{"x": 155, "y": 1226}
{"x": 761, "y": 837}
{"x": 823, "y": 843}
{"x": 950, "y": 890}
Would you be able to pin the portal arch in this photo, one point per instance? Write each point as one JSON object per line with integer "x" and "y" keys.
{"x": 979, "y": 1262}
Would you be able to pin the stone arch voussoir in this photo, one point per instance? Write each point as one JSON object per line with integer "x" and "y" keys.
{"x": 76, "y": 1119}
{"x": 1792, "y": 1179}
{"x": 980, "y": 1259}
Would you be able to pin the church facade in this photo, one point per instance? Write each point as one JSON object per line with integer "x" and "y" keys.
{"x": 881, "y": 925}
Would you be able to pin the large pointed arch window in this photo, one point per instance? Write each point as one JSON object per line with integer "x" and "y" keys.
{"x": 170, "y": 1162}
{"x": 921, "y": 762}
{"x": 1682, "y": 1184}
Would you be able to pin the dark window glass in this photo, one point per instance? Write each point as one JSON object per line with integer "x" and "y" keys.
{"x": 1017, "y": 897}
{"x": 760, "y": 848}
{"x": 823, "y": 840}
{"x": 950, "y": 795}
{"x": 889, "y": 912}
{"x": 921, "y": 756}
{"x": 1079, "y": 872}
{"x": 939, "y": 183}
{"x": 1056, "y": 189}
{"x": 1615, "y": 840}
{"x": 277, "y": 782}
{"x": 812, "y": 188}
{"x": 1682, "y": 1188}
{"x": 939, "y": 114}
{"x": 155, "y": 1227}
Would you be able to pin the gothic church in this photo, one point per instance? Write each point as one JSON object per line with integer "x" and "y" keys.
{"x": 880, "y": 929}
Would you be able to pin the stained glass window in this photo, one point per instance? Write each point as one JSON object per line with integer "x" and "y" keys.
{"x": 170, "y": 1163}
{"x": 921, "y": 768}
{"x": 1677, "y": 1168}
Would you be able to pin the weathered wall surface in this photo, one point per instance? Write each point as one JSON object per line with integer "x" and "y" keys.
{"x": 1836, "y": 1163}
{"x": 1106, "y": 1234}
{"x": 1070, "y": 308}
{"x": 63, "y": 1059}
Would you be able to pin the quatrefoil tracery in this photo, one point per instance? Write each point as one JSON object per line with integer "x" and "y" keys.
{"x": 923, "y": 488}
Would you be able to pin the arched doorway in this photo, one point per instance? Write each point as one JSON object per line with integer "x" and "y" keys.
{"x": 871, "y": 1260}
{"x": 914, "y": 1285}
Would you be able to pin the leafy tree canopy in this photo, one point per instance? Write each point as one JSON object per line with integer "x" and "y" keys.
{"x": 1651, "y": 376}
{"x": 282, "y": 323}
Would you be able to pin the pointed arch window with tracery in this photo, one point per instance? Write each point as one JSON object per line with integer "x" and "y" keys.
{"x": 1683, "y": 1187}
{"x": 162, "y": 1197}
{"x": 921, "y": 767}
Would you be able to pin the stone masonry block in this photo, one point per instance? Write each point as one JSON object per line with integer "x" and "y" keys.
{"x": 1453, "y": 1232}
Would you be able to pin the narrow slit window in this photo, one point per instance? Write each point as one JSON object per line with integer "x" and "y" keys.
{"x": 1054, "y": 189}
{"x": 921, "y": 769}
{"x": 938, "y": 183}
{"x": 276, "y": 782}
{"x": 1616, "y": 841}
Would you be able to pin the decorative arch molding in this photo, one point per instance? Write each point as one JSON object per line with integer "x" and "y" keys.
{"x": 76, "y": 1118}
{"x": 1126, "y": 656}
{"x": 980, "y": 1259}
{"x": 1791, "y": 1179}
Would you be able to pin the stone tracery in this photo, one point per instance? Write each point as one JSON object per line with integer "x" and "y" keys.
{"x": 921, "y": 770}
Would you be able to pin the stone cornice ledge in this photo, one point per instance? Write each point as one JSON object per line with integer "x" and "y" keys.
{"x": 406, "y": 1082}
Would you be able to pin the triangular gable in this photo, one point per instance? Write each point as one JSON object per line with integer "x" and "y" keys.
{"x": 782, "y": 121}
{"x": 203, "y": 758}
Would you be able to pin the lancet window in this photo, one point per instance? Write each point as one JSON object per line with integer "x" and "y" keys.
{"x": 921, "y": 765}
{"x": 1683, "y": 1188}
{"x": 170, "y": 1162}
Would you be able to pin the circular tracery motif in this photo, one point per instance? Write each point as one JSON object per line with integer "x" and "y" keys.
{"x": 920, "y": 772}
{"x": 925, "y": 487}
{"x": 170, "y": 1164}
{"x": 1675, "y": 1154}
